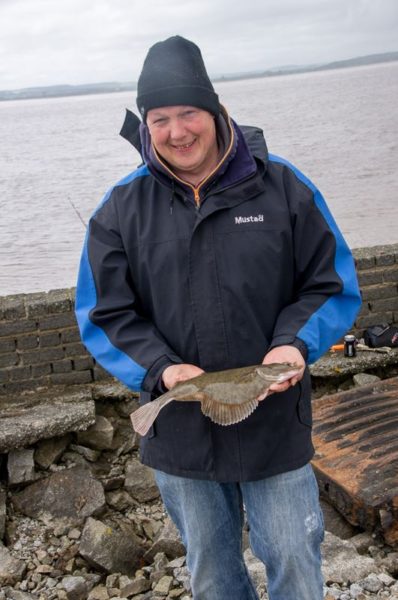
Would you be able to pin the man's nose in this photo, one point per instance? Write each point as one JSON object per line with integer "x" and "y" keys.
{"x": 177, "y": 129}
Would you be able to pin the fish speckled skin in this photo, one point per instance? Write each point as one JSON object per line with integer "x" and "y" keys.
{"x": 227, "y": 397}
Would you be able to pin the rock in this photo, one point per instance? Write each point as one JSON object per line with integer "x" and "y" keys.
{"x": 112, "y": 482}
{"x": 365, "y": 379}
{"x": 113, "y": 391}
{"x": 371, "y": 583}
{"x": 119, "y": 500}
{"x": 332, "y": 594}
{"x": 156, "y": 574}
{"x": 18, "y": 595}
{"x": 386, "y": 579}
{"x": 125, "y": 408}
{"x": 87, "y": 453}
{"x": 12, "y": 570}
{"x": 168, "y": 541}
{"x": 342, "y": 563}
{"x": 49, "y": 451}
{"x": 163, "y": 585}
{"x": 138, "y": 586}
{"x": 375, "y": 552}
{"x": 109, "y": 549}
{"x": 394, "y": 591}
{"x": 43, "y": 414}
{"x": 20, "y": 466}
{"x": 99, "y": 436}
{"x": 151, "y": 528}
{"x": 335, "y": 522}
{"x": 256, "y": 568}
{"x": 70, "y": 493}
{"x": 3, "y": 512}
{"x": 140, "y": 482}
{"x": 124, "y": 580}
{"x": 176, "y": 593}
{"x": 112, "y": 581}
{"x": 177, "y": 563}
{"x": 355, "y": 590}
{"x": 74, "y": 534}
{"x": 74, "y": 459}
{"x": 75, "y": 587}
{"x": 98, "y": 593}
{"x": 44, "y": 569}
{"x": 362, "y": 541}
{"x": 125, "y": 438}
{"x": 390, "y": 564}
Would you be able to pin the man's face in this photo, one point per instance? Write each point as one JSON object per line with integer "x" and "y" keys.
{"x": 185, "y": 137}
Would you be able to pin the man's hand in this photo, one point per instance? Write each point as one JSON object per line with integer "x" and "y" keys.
{"x": 288, "y": 354}
{"x": 176, "y": 373}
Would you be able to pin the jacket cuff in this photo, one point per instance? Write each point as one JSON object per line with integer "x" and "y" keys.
{"x": 153, "y": 379}
{"x": 284, "y": 340}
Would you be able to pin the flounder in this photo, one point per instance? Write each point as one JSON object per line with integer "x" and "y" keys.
{"x": 227, "y": 397}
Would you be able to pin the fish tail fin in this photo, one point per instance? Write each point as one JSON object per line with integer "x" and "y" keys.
{"x": 143, "y": 418}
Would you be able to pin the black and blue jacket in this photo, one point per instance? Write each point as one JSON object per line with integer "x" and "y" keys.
{"x": 259, "y": 263}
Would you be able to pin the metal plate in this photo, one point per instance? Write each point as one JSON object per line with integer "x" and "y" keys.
{"x": 356, "y": 463}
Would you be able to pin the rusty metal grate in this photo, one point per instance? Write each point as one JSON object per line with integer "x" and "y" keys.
{"x": 356, "y": 461}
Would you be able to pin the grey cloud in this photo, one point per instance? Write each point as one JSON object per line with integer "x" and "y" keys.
{"x": 43, "y": 42}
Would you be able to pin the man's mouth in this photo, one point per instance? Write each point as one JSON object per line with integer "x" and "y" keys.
{"x": 183, "y": 147}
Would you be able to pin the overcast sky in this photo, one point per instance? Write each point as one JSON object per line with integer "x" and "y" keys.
{"x": 46, "y": 42}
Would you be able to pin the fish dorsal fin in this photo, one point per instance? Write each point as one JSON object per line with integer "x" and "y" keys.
{"x": 227, "y": 414}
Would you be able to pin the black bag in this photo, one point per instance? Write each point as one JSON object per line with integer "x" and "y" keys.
{"x": 381, "y": 335}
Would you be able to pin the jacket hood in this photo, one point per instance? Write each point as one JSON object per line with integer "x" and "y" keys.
{"x": 253, "y": 136}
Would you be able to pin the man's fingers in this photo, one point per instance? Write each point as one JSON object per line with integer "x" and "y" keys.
{"x": 174, "y": 374}
{"x": 285, "y": 385}
{"x": 280, "y": 387}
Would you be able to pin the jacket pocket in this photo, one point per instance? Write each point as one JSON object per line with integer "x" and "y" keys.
{"x": 304, "y": 410}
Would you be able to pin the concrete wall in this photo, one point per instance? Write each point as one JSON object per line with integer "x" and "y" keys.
{"x": 40, "y": 344}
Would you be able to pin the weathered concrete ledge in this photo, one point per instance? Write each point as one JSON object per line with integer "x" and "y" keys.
{"x": 43, "y": 414}
{"x": 335, "y": 365}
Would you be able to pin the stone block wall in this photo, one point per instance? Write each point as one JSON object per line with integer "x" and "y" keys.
{"x": 377, "y": 269}
{"x": 40, "y": 343}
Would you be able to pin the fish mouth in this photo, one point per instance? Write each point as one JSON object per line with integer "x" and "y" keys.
{"x": 282, "y": 375}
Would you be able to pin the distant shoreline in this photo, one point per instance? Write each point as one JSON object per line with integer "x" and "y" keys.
{"x": 61, "y": 91}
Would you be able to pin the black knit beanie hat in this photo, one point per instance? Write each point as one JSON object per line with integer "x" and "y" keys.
{"x": 174, "y": 74}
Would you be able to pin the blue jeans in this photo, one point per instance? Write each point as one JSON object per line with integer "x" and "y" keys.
{"x": 286, "y": 530}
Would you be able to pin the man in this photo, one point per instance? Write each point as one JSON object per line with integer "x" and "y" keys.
{"x": 214, "y": 255}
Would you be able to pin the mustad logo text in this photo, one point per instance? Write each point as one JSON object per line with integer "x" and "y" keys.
{"x": 251, "y": 219}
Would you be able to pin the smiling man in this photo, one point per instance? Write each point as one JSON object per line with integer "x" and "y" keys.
{"x": 216, "y": 255}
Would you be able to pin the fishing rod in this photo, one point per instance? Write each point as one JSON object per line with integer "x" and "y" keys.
{"x": 78, "y": 213}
